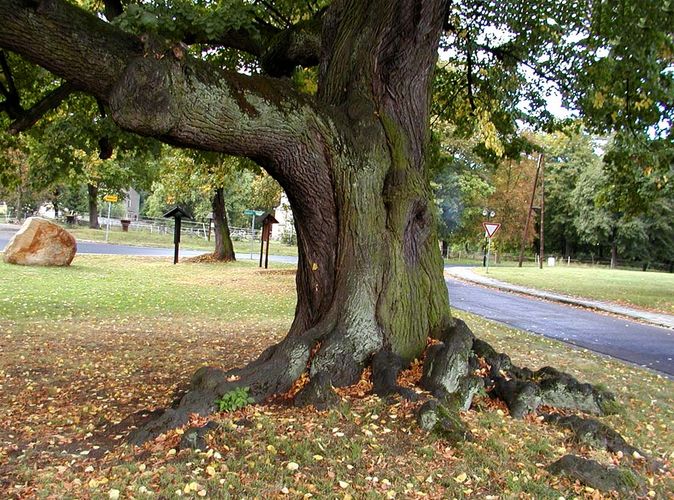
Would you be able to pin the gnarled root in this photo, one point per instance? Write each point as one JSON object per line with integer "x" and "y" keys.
{"x": 450, "y": 374}
{"x": 273, "y": 372}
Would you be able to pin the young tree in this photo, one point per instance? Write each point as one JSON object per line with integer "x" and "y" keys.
{"x": 197, "y": 180}
{"x": 351, "y": 158}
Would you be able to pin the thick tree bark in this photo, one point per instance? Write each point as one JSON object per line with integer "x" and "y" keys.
{"x": 224, "y": 249}
{"x": 92, "y": 195}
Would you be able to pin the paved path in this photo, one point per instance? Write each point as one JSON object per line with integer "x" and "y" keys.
{"x": 645, "y": 345}
{"x": 466, "y": 274}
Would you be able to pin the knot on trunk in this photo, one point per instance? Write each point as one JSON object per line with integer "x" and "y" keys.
{"x": 417, "y": 230}
{"x": 146, "y": 98}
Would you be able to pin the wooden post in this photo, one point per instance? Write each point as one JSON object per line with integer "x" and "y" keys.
{"x": 176, "y": 238}
{"x": 177, "y": 213}
{"x": 531, "y": 207}
{"x": 262, "y": 244}
{"x": 265, "y": 236}
{"x": 540, "y": 238}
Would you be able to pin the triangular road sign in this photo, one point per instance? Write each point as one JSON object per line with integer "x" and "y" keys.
{"x": 490, "y": 228}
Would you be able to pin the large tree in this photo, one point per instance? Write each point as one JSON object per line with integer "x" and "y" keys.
{"x": 351, "y": 157}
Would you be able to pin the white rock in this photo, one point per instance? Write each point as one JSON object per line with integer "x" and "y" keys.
{"x": 40, "y": 242}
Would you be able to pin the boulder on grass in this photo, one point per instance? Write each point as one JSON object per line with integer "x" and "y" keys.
{"x": 40, "y": 242}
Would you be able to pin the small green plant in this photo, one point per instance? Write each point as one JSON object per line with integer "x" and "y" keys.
{"x": 235, "y": 399}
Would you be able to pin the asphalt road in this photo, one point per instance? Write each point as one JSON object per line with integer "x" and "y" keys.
{"x": 85, "y": 247}
{"x": 637, "y": 343}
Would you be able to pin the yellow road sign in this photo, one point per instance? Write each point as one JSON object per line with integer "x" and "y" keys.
{"x": 112, "y": 198}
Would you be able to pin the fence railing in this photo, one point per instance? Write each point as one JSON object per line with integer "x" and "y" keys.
{"x": 188, "y": 228}
{"x": 497, "y": 258}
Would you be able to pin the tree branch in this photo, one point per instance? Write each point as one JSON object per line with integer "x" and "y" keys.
{"x": 501, "y": 53}
{"x": 469, "y": 73}
{"x": 29, "y": 117}
{"x": 11, "y": 87}
{"x": 276, "y": 13}
{"x": 161, "y": 92}
{"x": 88, "y": 52}
{"x": 12, "y": 103}
{"x": 279, "y": 51}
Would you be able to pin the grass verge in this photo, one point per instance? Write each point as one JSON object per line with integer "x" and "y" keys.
{"x": 73, "y": 368}
{"x": 647, "y": 290}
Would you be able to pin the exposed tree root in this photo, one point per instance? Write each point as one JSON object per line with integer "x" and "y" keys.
{"x": 598, "y": 476}
{"x": 456, "y": 367}
{"x": 273, "y": 372}
{"x": 598, "y": 435}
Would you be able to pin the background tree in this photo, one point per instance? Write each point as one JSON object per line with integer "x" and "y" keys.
{"x": 209, "y": 184}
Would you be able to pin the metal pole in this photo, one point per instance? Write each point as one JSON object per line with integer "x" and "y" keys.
{"x": 488, "y": 252}
{"x": 252, "y": 234}
{"x": 107, "y": 227}
{"x": 531, "y": 206}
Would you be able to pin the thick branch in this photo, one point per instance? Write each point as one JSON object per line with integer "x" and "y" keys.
{"x": 88, "y": 52}
{"x": 156, "y": 92}
{"x": 12, "y": 103}
{"x": 29, "y": 117}
{"x": 279, "y": 51}
{"x": 113, "y": 8}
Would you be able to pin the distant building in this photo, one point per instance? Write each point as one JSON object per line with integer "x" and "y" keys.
{"x": 285, "y": 229}
{"x": 132, "y": 204}
{"x": 47, "y": 211}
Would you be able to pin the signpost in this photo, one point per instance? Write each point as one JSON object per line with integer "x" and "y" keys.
{"x": 110, "y": 198}
{"x": 177, "y": 213}
{"x": 266, "y": 234}
{"x": 253, "y": 214}
{"x": 490, "y": 229}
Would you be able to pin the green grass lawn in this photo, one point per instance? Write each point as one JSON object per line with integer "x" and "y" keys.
{"x": 82, "y": 348}
{"x": 145, "y": 238}
{"x": 648, "y": 290}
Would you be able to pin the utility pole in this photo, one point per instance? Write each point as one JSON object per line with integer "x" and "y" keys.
{"x": 531, "y": 207}
{"x": 540, "y": 238}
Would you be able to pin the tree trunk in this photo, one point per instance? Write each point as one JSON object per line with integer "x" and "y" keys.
{"x": 55, "y": 203}
{"x": 92, "y": 194}
{"x": 370, "y": 273}
{"x": 614, "y": 254}
{"x": 224, "y": 249}
{"x": 614, "y": 245}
